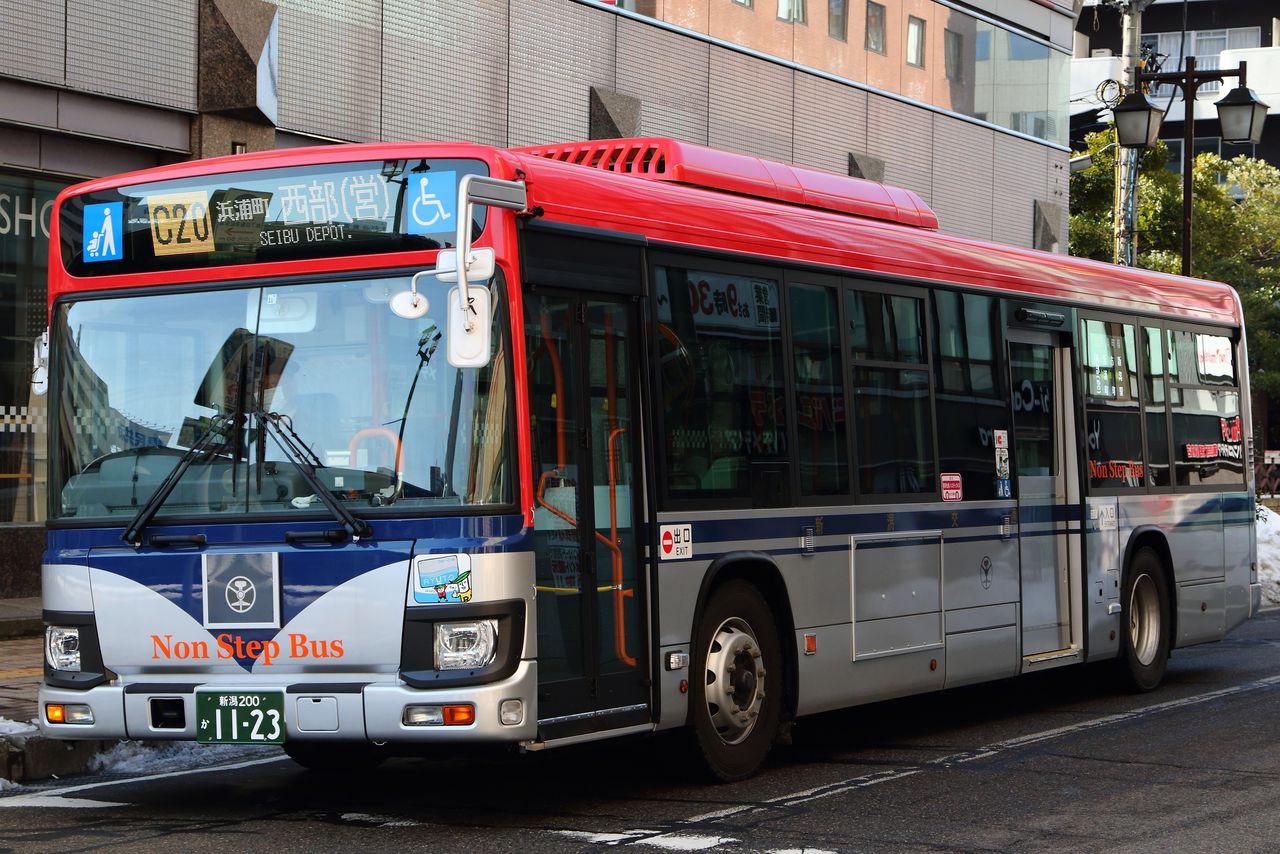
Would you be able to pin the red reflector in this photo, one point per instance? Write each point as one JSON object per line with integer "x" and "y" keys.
{"x": 810, "y": 644}
{"x": 460, "y": 715}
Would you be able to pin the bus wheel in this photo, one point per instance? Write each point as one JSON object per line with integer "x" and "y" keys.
{"x": 737, "y": 682}
{"x": 1145, "y": 629}
{"x": 334, "y": 756}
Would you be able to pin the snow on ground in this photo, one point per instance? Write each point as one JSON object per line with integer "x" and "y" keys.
{"x": 8, "y": 727}
{"x": 1269, "y": 555}
{"x": 133, "y": 757}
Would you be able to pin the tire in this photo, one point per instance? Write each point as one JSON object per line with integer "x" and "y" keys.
{"x": 736, "y": 682}
{"x": 1145, "y": 624}
{"x": 334, "y": 756}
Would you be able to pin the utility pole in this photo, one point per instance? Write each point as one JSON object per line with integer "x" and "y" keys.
{"x": 1125, "y": 229}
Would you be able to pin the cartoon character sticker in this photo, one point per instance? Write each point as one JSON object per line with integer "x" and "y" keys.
{"x": 442, "y": 580}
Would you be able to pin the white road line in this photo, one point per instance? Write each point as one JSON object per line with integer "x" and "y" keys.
{"x": 985, "y": 752}
{"x": 57, "y": 797}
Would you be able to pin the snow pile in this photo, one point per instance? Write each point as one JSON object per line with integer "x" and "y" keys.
{"x": 1269, "y": 555}
{"x": 7, "y": 785}
{"x": 139, "y": 757}
{"x": 8, "y": 727}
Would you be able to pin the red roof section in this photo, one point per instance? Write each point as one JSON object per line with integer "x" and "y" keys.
{"x": 660, "y": 159}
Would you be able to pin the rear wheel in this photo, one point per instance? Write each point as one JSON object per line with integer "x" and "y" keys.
{"x": 1145, "y": 630}
{"x": 334, "y": 756}
{"x": 736, "y": 681}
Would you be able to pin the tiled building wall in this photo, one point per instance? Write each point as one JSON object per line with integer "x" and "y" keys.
{"x": 142, "y": 50}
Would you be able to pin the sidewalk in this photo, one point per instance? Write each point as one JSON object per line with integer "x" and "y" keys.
{"x": 25, "y": 755}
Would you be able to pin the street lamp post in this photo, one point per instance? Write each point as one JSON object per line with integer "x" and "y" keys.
{"x": 1240, "y": 113}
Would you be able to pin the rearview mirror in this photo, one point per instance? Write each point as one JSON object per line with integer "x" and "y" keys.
{"x": 470, "y": 315}
{"x": 40, "y": 366}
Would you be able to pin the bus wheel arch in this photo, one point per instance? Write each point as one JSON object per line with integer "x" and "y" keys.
{"x": 1153, "y": 538}
{"x": 742, "y": 596}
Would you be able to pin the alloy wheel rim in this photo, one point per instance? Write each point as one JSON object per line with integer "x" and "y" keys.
{"x": 1144, "y": 620}
{"x": 735, "y": 676}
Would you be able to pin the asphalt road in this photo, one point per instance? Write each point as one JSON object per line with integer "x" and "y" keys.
{"x": 1059, "y": 761}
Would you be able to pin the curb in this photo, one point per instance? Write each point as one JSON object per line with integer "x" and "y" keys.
{"x": 29, "y": 758}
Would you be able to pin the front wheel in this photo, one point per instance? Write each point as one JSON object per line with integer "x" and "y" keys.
{"x": 1145, "y": 630}
{"x": 736, "y": 682}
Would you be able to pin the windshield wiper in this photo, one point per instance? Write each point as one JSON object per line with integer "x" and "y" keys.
{"x": 297, "y": 452}
{"x": 219, "y": 427}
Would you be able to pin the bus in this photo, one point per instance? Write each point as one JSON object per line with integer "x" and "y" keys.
{"x": 376, "y": 448}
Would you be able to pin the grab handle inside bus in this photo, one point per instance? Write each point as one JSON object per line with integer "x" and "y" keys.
{"x": 468, "y": 312}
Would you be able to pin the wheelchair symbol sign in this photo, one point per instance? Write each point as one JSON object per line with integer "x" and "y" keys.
{"x": 432, "y": 202}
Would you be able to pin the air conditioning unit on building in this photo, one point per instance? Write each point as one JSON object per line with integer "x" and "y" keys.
{"x": 1101, "y": 52}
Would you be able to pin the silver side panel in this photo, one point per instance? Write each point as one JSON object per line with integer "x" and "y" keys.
{"x": 65, "y": 587}
{"x": 1102, "y": 576}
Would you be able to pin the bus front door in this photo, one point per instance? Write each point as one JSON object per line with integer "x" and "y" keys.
{"x": 583, "y": 381}
{"x": 1044, "y": 439}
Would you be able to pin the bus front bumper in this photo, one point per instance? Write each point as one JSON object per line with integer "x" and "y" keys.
{"x": 313, "y": 712}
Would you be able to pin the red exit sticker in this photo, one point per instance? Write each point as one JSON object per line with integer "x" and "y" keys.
{"x": 952, "y": 490}
{"x": 675, "y": 542}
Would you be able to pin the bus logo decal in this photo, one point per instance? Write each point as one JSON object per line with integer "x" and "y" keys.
{"x": 442, "y": 579}
{"x": 241, "y": 591}
{"x": 675, "y": 542}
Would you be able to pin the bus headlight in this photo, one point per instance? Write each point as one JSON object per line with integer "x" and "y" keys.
{"x": 62, "y": 648}
{"x": 466, "y": 646}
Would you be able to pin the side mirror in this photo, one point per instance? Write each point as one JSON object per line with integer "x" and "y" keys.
{"x": 470, "y": 311}
{"x": 40, "y": 367}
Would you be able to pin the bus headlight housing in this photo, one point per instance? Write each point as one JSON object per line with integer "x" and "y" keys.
{"x": 466, "y": 646}
{"x": 62, "y": 648}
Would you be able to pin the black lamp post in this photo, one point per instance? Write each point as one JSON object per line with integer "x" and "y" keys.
{"x": 1240, "y": 113}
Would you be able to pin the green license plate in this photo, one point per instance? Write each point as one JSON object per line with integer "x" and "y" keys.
{"x": 240, "y": 717}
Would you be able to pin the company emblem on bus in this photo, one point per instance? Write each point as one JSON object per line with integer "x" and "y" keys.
{"x": 442, "y": 580}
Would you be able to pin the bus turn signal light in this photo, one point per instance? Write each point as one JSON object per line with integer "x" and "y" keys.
{"x": 463, "y": 714}
{"x": 54, "y": 713}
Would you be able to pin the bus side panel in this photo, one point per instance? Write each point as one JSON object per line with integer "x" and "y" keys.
{"x": 1237, "y": 555}
{"x": 1104, "y": 518}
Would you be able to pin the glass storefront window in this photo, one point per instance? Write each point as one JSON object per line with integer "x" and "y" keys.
{"x": 26, "y": 205}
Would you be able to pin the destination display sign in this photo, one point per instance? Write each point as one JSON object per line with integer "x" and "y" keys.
{"x": 267, "y": 215}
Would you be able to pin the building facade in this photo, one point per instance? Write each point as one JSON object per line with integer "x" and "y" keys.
{"x": 964, "y": 103}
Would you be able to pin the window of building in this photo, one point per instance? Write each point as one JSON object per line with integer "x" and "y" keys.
{"x": 875, "y": 27}
{"x": 724, "y": 408}
{"x": 747, "y": 3}
{"x": 953, "y": 55}
{"x": 791, "y": 10}
{"x": 915, "y": 41}
{"x": 1205, "y": 45}
{"x": 838, "y": 19}
{"x": 892, "y": 414}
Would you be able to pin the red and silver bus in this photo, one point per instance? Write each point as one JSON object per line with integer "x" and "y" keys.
{"x": 380, "y": 445}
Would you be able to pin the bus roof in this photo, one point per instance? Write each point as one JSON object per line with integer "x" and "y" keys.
{"x": 689, "y": 196}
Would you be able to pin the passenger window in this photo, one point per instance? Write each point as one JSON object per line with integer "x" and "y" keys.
{"x": 1157, "y": 420}
{"x": 1208, "y": 445}
{"x": 822, "y": 445}
{"x": 720, "y": 355}
{"x": 969, "y": 377}
{"x": 892, "y": 416}
{"x": 1112, "y": 421}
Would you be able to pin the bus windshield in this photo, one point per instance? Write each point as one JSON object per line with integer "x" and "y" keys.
{"x": 367, "y": 399}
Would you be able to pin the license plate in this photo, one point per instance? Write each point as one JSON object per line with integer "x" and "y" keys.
{"x": 240, "y": 717}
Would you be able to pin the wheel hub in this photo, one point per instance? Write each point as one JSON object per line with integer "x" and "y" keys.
{"x": 734, "y": 680}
